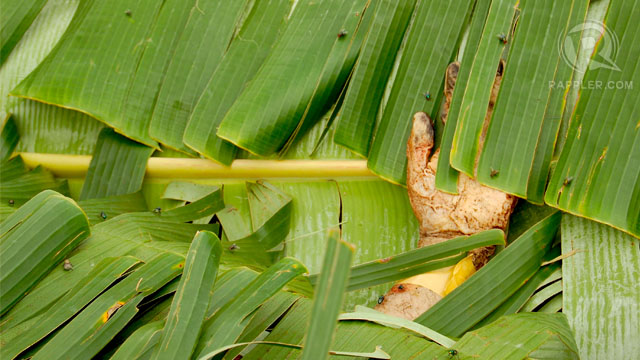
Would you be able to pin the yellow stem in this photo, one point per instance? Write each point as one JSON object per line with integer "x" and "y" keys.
{"x": 72, "y": 166}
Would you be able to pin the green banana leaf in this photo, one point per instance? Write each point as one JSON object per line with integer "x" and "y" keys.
{"x": 190, "y": 302}
{"x": 34, "y": 239}
{"x": 330, "y": 293}
{"x": 104, "y": 274}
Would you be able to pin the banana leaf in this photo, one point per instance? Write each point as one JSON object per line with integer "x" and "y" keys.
{"x": 601, "y": 296}
{"x": 92, "y": 329}
{"x": 598, "y": 175}
{"x": 494, "y": 283}
{"x": 9, "y": 138}
{"x": 446, "y": 176}
{"x": 203, "y": 41}
{"x": 430, "y": 44}
{"x": 350, "y": 336}
{"x": 34, "y": 239}
{"x": 521, "y": 336}
{"x": 16, "y": 17}
{"x": 191, "y": 300}
{"x": 117, "y": 166}
{"x": 299, "y": 79}
{"x": 142, "y": 235}
{"x": 534, "y": 63}
{"x": 228, "y": 323}
{"x": 329, "y": 296}
{"x": 479, "y": 89}
{"x": 104, "y": 274}
{"x": 356, "y": 124}
{"x": 246, "y": 53}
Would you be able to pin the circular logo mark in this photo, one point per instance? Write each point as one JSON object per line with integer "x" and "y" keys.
{"x": 584, "y": 38}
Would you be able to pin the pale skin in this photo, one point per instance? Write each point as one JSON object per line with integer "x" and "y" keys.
{"x": 444, "y": 216}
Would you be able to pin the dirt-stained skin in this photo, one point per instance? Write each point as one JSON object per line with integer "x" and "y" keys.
{"x": 443, "y": 216}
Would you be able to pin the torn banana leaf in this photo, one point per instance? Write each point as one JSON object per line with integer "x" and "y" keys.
{"x": 479, "y": 87}
{"x": 268, "y": 313}
{"x": 516, "y": 302}
{"x": 598, "y": 173}
{"x": 210, "y": 27}
{"x": 44, "y": 128}
{"x": 430, "y": 45}
{"x": 268, "y": 209}
{"x": 191, "y": 300}
{"x": 15, "y": 19}
{"x": 492, "y": 285}
{"x": 446, "y": 176}
{"x": 99, "y": 322}
{"x": 139, "y": 342}
{"x": 9, "y": 138}
{"x": 417, "y": 261}
{"x": 315, "y": 209}
{"x": 246, "y": 53}
{"x": 359, "y": 112}
{"x": 600, "y": 276}
{"x": 186, "y": 191}
{"x": 368, "y": 314}
{"x": 228, "y": 323}
{"x": 105, "y": 273}
{"x": 18, "y": 184}
{"x": 34, "y": 239}
{"x": 142, "y": 235}
{"x": 542, "y": 296}
{"x": 521, "y": 336}
{"x": 99, "y": 210}
{"x": 526, "y": 92}
{"x": 117, "y": 166}
{"x": 330, "y": 293}
{"x": 350, "y": 336}
{"x": 300, "y": 78}
{"x": 126, "y": 83}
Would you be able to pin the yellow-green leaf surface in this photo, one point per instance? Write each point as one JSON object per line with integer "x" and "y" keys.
{"x": 430, "y": 45}
{"x": 191, "y": 300}
{"x": 117, "y": 166}
{"x": 99, "y": 210}
{"x": 202, "y": 44}
{"x": 304, "y": 72}
{"x": 36, "y": 238}
{"x": 475, "y": 99}
{"x": 601, "y": 294}
{"x": 328, "y": 298}
{"x": 92, "y": 329}
{"x": 245, "y": 55}
{"x": 359, "y": 112}
{"x": 494, "y": 283}
{"x": 533, "y": 64}
{"x": 101, "y": 277}
{"x": 446, "y": 176}
{"x": 521, "y": 336}
{"x": 598, "y": 171}
{"x": 375, "y": 210}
